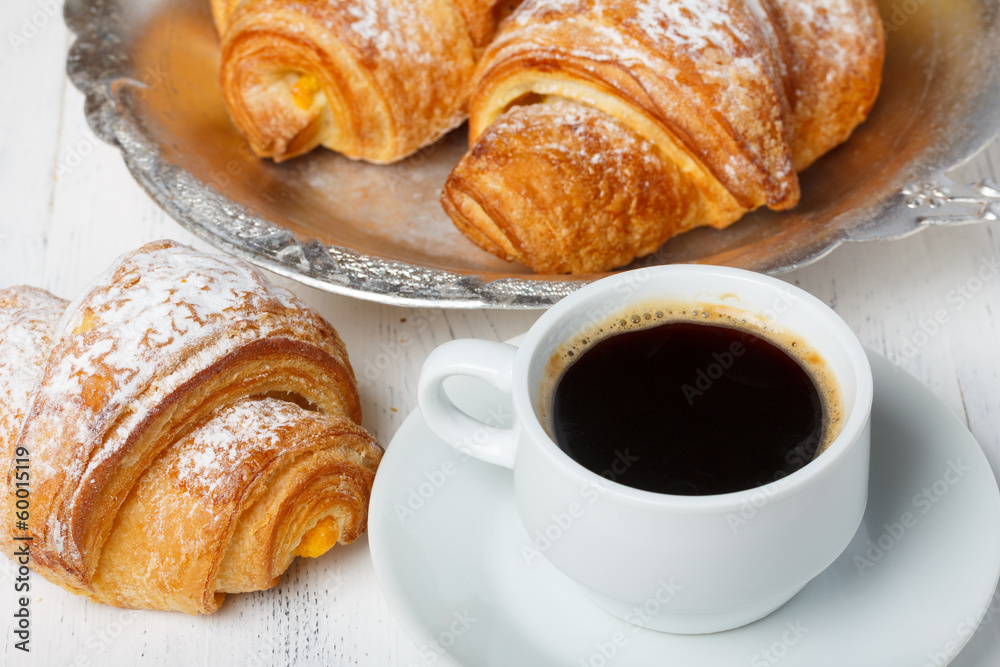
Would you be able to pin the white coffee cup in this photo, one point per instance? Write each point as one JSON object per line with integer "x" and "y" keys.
{"x": 683, "y": 556}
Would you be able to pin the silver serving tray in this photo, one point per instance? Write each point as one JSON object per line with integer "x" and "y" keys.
{"x": 148, "y": 69}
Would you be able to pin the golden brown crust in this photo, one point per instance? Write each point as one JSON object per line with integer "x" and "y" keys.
{"x": 223, "y": 509}
{"x": 702, "y": 77}
{"x": 372, "y": 79}
{"x": 718, "y": 87}
{"x": 835, "y": 52}
{"x": 483, "y": 17}
{"x": 567, "y": 188}
{"x": 221, "y": 11}
{"x": 161, "y": 347}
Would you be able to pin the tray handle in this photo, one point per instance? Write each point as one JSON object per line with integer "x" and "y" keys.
{"x": 932, "y": 200}
{"x": 941, "y": 201}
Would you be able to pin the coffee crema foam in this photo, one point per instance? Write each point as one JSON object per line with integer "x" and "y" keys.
{"x": 640, "y": 316}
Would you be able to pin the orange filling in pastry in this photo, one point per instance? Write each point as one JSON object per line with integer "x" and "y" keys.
{"x": 304, "y": 91}
{"x": 319, "y": 539}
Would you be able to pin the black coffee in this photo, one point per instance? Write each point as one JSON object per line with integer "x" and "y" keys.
{"x": 688, "y": 408}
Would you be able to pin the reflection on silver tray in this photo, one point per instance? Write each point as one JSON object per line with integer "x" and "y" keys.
{"x": 148, "y": 69}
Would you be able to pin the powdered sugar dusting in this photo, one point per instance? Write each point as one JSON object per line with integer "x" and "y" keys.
{"x": 537, "y": 29}
{"x": 393, "y": 30}
{"x": 365, "y": 22}
{"x": 232, "y": 437}
{"x": 619, "y": 147}
{"x": 626, "y": 31}
{"x": 822, "y": 20}
{"x": 835, "y": 50}
{"x": 28, "y": 318}
{"x": 173, "y": 299}
{"x": 691, "y": 26}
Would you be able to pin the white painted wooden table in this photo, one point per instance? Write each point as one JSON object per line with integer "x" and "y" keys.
{"x": 68, "y": 207}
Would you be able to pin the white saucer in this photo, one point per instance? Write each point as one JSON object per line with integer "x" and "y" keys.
{"x": 447, "y": 543}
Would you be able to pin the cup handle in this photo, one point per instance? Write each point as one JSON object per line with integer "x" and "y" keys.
{"x": 490, "y": 362}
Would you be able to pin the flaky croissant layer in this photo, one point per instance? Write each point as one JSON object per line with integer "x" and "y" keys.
{"x": 595, "y": 178}
{"x": 721, "y": 101}
{"x": 374, "y": 80}
{"x": 190, "y": 429}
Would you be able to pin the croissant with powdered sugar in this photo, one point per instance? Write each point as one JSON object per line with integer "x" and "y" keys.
{"x": 374, "y": 80}
{"x": 187, "y": 428}
{"x": 600, "y": 129}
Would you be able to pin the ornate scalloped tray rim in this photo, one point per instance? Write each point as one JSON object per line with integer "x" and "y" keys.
{"x": 99, "y": 70}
